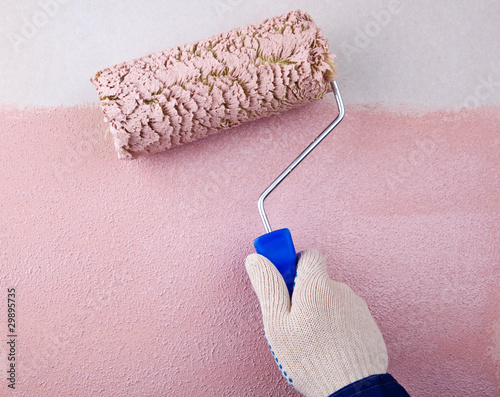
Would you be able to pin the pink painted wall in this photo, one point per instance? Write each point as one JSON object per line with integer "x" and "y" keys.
{"x": 130, "y": 276}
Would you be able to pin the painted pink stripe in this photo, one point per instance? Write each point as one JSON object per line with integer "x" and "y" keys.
{"x": 130, "y": 275}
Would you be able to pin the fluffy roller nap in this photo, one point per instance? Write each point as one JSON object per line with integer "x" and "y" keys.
{"x": 185, "y": 93}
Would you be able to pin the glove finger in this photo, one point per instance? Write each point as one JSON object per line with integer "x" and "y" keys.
{"x": 311, "y": 273}
{"x": 269, "y": 286}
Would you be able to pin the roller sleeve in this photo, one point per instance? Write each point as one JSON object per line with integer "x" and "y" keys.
{"x": 180, "y": 95}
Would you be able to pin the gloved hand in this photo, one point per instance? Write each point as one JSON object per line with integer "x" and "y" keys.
{"x": 325, "y": 338}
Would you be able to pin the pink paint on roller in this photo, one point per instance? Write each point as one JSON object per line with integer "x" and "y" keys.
{"x": 183, "y": 94}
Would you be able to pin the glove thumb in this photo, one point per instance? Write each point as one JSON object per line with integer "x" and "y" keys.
{"x": 269, "y": 286}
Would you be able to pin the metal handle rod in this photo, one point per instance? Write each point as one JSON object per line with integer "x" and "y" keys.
{"x": 307, "y": 150}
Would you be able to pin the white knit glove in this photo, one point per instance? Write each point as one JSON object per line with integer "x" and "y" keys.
{"x": 326, "y": 337}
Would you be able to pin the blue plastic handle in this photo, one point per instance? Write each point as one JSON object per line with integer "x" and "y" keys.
{"x": 277, "y": 246}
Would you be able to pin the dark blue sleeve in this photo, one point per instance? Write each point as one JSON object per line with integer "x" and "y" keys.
{"x": 383, "y": 385}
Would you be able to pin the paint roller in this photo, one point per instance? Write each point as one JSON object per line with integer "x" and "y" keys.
{"x": 173, "y": 97}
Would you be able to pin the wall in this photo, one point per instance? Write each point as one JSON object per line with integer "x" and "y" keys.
{"x": 130, "y": 276}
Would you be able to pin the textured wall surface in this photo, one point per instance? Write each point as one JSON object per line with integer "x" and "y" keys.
{"x": 130, "y": 277}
